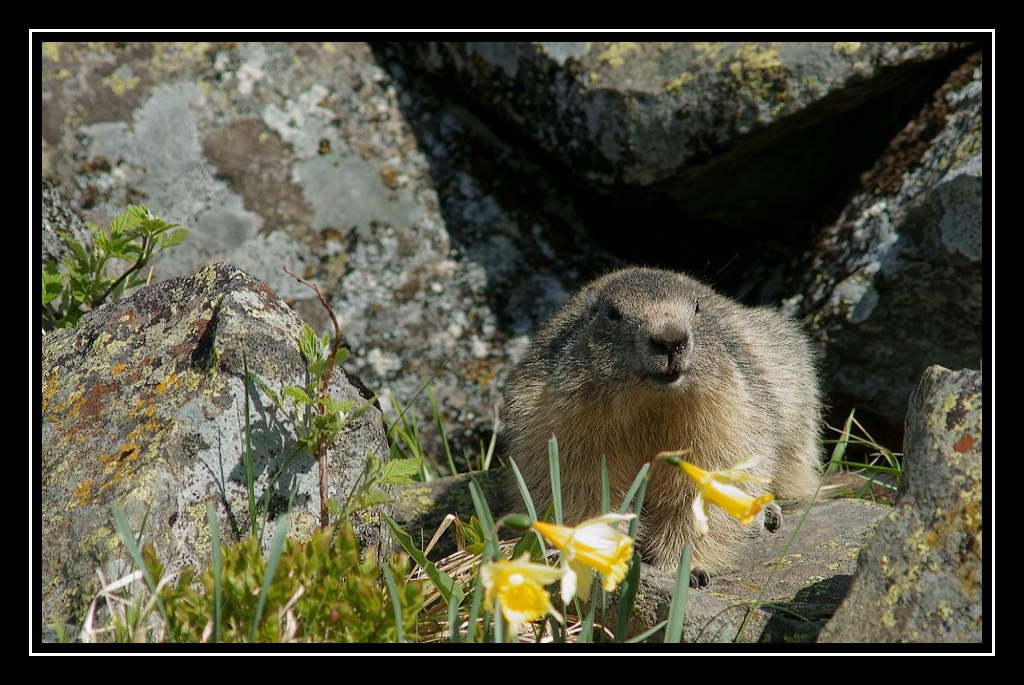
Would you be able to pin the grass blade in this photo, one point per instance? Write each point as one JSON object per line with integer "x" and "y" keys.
{"x": 440, "y": 429}
{"x": 523, "y": 490}
{"x": 396, "y": 604}
{"x": 474, "y": 611}
{"x": 483, "y": 511}
{"x": 677, "y": 608}
{"x": 627, "y": 597}
{"x": 556, "y": 478}
{"x": 131, "y": 544}
{"x": 247, "y": 452}
{"x": 211, "y": 521}
{"x": 450, "y": 590}
{"x": 276, "y": 547}
{"x": 453, "y": 621}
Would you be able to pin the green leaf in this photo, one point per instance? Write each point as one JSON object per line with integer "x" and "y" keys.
{"x": 401, "y": 471}
{"x": 627, "y": 597}
{"x": 298, "y": 395}
{"x": 396, "y": 603}
{"x": 445, "y": 584}
{"x": 79, "y": 253}
{"x": 53, "y": 283}
{"x": 342, "y": 356}
{"x": 677, "y": 609}
{"x": 173, "y": 238}
{"x": 473, "y": 534}
{"x": 556, "y": 478}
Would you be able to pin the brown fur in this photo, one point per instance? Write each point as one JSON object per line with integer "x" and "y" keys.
{"x": 642, "y": 361}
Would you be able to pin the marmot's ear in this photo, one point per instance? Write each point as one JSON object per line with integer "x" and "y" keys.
{"x": 587, "y": 300}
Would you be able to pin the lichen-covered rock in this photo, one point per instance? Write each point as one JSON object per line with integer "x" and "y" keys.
{"x": 920, "y": 577}
{"x": 898, "y": 282}
{"x": 729, "y": 132}
{"x": 144, "y": 408}
{"x": 786, "y": 586}
{"x": 400, "y": 205}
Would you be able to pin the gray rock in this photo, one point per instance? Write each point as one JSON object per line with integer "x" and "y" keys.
{"x": 313, "y": 157}
{"x": 57, "y": 217}
{"x": 743, "y": 136}
{"x": 787, "y": 586}
{"x": 920, "y": 578}
{"x": 897, "y": 283}
{"x": 144, "y": 407}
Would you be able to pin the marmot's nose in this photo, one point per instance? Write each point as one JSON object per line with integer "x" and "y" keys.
{"x": 670, "y": 345}
{"x": 669, "y": 337}
{"x": 674, "y": 343}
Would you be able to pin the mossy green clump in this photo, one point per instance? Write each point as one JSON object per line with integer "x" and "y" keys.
{"x": 322, "y": 591}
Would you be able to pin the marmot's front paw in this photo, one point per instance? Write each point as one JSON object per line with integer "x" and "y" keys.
{"x": 769, "y": 518}
{"x": 772, "y": 517}
{"x": 699, "y": 578}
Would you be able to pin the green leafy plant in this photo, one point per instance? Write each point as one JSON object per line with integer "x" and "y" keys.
{"x": 88, "y": 277}
{"x": 323, "y": 590}
{"x": 319, "y": 419}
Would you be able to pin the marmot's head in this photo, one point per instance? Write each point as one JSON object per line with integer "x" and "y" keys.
{"x": 643, "y": 328}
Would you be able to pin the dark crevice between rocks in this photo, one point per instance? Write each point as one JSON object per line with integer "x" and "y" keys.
{"x": 742, "y": 227}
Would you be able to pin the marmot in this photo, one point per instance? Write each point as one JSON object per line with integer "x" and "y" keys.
{"x": 642, "y": 361}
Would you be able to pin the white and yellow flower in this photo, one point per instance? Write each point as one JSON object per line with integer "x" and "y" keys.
{"x": 518, "y": 588}
{"x": 594, "y": 545}
{"x": 719, "y": 488}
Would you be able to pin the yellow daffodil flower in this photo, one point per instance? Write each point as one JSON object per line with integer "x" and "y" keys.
{"x": 595, "y": 545}
{"x": 518, "y": 587}
{"x": 718, "y": 487}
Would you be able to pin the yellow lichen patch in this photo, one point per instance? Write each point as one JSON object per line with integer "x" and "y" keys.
{"x": 756, "y": 57}
{"x": 813, "y": 85}
{"x": 172, "y": 57}
{"x": 161, "y": 387}
{"x": 968, "y": 147}
{"x": 302, "y": 524}
{"x": 50, "y": 389}
{"x": 711, "y": 51}
{"x": 845, "y": 48}
{"x": 615, "y": 54}
{"x": 202, "y": 543}
{"x": 120, "y": 464}
{"x": 760, "y": 74}
{"x": 84, "y": 492}
{"x": 675, "y": 86}
{"x": 116, "y": 369}
{"x": 117, "y": 465}
{"x": 120, "y": 85}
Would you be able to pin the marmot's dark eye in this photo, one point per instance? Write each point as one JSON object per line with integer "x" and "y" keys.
{"x": 696, "y": 307}
{"x": 613, "y": 313}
